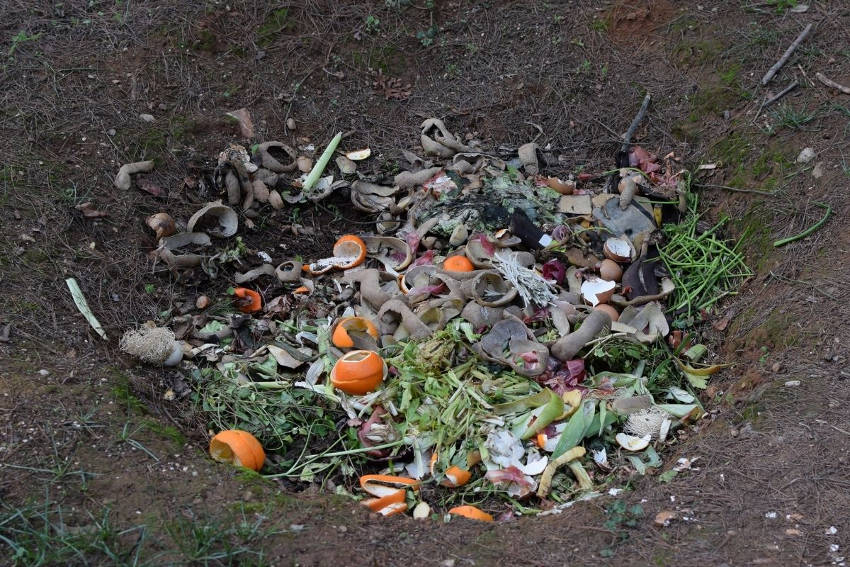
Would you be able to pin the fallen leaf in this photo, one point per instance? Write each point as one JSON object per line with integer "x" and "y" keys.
{"x": 149, "y": 187}
{"x": 721, "y": 324}
{"x": 663, "y": 517}
{"x": 88, "y": 211}
{"x": 792, "y": 532}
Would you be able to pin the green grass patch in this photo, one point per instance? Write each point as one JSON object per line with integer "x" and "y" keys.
{"x": 122, "y": 394}
{"x": 272, "y": 26}
{"x": 44, "y": 534}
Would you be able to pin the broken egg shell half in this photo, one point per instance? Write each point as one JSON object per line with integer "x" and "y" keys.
{"x": 665, "y": 430}
{"x": 618, "y": 249}
{"x": 162, "y": 224}
{"x": 345, "y": 165}
{"x": 304, "y": 164}
{"x": 358, "y": 155}
{"x": 275, "y": 200}
{"x": 611, "y": 311}
{"x": 596, "y": 290}
{"x": 610, "y": 270}
{"x": 632, "y": 443}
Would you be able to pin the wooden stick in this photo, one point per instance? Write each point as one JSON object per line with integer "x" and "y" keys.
{"x": 774, "y": 98}
{"x": 831, "y": 83}
{"x": 781, "y": 94}
{"x": 633, "y": 126}
{"x": 627, "y": 138}
{"x": 788, "y": 52}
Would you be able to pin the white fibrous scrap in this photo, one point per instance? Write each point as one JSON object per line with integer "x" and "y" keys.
{"x": 646, "y": 422}
{"x": 149, "y": 344}
{"x": 530, "y": 285}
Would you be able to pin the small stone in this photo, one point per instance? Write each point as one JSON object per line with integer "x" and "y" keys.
{"x": 147, "y": 117}
{"x": 776, "y": 367}
{"x": 792, "y": 383}
{"x": 111, "y": 132}
{"x": 817, "y": 172}
{"x": 290, "y": 123}
{"x": 44, "y": 372}
{"x": 202, "y": 302}
{"x": 792, "y": 532}
{"x": 806, "y": 155}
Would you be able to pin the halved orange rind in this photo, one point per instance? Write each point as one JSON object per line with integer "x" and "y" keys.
{"x": 471, "y": 512}
{"x": 358, "y": 372}
{"x": 340, "y": 337}
{"x": 388, "y": 491}
{"x": 239, "y": 448}
{"x": 348, "y": 252}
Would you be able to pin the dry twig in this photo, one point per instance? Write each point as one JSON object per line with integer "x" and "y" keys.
{"x": 830, "y": 83}
{"x": 787, "y": 55}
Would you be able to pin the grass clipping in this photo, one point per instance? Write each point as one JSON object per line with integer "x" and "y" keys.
{"x": 703, "y": 266}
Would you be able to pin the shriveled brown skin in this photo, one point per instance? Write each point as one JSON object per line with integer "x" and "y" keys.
{"x": 567, "y": 347}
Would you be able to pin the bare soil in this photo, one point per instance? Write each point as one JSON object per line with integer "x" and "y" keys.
{"x": 86, "y": 435}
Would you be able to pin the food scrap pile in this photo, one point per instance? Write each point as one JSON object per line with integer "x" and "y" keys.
{"x": 498, "y": 342}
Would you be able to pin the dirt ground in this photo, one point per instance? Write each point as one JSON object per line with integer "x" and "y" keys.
{"x": 97, "y": 468}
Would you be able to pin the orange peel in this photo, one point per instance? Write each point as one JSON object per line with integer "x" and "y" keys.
{"x": 237, "y": 447}
{"x": 250, "y": 300}
{"x": 340, "y": 337}
{"x": 389, "y": 492}
{"x": 471, "y": 512}
{"x": 358, "y": 372}
{"x": 350, "y": 246}
{"x": 348, "y": 252}
{"x": 456, "y": 476}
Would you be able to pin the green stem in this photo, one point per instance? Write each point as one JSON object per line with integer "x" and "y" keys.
{"x": 809, "y": 230}
{"x": 319, "y": 168}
